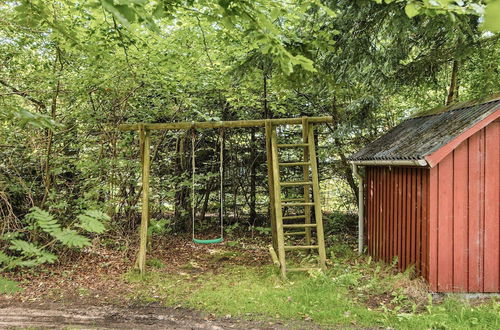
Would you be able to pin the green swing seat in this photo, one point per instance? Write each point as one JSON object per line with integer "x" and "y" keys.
{"x": 208, "y": 241}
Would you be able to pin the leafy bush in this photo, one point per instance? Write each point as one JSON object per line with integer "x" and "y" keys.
{"x": 341, "y": 227}
{"x": 30, "y": 247}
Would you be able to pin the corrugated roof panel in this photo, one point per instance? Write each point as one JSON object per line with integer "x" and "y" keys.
{"x": 418, "y": 137}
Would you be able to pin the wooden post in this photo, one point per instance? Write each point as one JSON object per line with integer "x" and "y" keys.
{"x": 270, "y": 183}
{"x": 307, "y": 208}
{"x": 317, "y": 199}
{"x": 277, "y": 199}
{"x": 145, "y": 142}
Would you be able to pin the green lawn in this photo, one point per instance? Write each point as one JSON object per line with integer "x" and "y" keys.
{"x": 353, "y": 292}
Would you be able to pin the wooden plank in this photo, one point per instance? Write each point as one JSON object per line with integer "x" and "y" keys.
{"x": 305, "y": 177}
{"x": 460, "y": 217}
{"x": 220, "y": 124}
{"x": 296, "y": 183}
{"x": 425, "y": 224}
{"x": 433, "y": 228}
{"x": 299, "y": 225}
{"x": 145, "y": 142}
{"x": 376, "y": 204}
{"x": 390, "y": 212}
{"x": 482, "y": 182}
{"x": 294, "y": 217}
{"x": 445, "y": 219}
{"x": 408, "y": 218}
{"x": 369, "y": 197}
{"x": 414, "y": 206}
{"x": 404, "y": 218}
{"x": 270, "y": 184}
{"x": 298, "y": 204}
{"x": 475, "y": 278}
{"x": 277, "y": 198}
{"x": 385, "y": 214}
{"x": 399, "y": 205}
{"x": 296, "y": 164}
{"x": 418, "y": 222}
{"x": 274, "y": 256}
{"x": 491, "y": 209}
{"x": 372, "y": 211}
{"x": 317, "y": 199}
{"x": 300, "y": 247}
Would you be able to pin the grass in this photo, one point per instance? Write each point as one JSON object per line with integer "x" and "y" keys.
{"x": 353, "y": 292}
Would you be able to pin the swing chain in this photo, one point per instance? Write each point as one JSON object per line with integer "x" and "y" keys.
{"x": 221, "y": 173}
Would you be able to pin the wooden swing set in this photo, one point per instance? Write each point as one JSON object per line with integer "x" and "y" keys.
{"x": 282, "y": 223}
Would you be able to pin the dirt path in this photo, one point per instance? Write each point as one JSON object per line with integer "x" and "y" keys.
{"x": 54, "y": 316}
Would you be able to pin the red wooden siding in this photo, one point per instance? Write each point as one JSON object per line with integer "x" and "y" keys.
{"x": 396, "y": 214}
{"x": 464, "y": 223}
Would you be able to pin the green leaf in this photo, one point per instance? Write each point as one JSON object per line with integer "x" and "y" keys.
{"x": 71, "y": 238}
{"x": 92, "y": 221}
{"x": 412, "y": 9}
{"x": 26, "y": 248}
{"x": 44, "y": 220}
{"x": 119, "y": 12}
{"x": 492, "y": 17}
{"x": 7, "y": 286}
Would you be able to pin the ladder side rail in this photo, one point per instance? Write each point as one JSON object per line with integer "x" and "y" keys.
{"x": 317, "y": 199}
{"x": 277, "y": 201}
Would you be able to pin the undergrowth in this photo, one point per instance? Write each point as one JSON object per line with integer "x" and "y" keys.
{"x": 353, "y": 292}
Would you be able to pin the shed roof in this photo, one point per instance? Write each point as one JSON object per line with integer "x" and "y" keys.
{"x": 418, "y": 137}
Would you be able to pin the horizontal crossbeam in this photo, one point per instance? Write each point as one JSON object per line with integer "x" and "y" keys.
{"x": 222, "y": 124}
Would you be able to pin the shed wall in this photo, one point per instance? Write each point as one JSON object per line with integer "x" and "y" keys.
{"x": 464, "y": 219}
{"x": 397, "y": 210}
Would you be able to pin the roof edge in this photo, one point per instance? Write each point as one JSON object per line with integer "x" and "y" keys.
{"x": 434, "y": 158}
{"x": 393, "y": 162}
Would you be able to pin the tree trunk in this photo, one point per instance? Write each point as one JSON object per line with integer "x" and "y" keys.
{"x": 453, "y": 89}
{"x": 47, "y": 178}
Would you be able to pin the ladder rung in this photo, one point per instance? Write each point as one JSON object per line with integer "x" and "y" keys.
{"x": 292, "y": 145}
{"x": 297, "y": 204}
{"x": 293, "y": 217}
{"x": 299, "y": 225}
{"x": 296, "y": 183}
{"x": 302, "y": 269}
{"x": 292, "y": 199}
{"x": 300, "y": 247}
{"x": 295, "y": 164}
{"x": 293, "y": 233}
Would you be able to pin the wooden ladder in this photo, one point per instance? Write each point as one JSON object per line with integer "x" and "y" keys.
{"x": 283, "y": 225}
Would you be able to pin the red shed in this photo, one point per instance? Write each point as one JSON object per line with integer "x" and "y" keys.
{"x": 433, "y": 197}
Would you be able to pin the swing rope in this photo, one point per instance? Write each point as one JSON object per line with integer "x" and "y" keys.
{"x": 221, "y": 173}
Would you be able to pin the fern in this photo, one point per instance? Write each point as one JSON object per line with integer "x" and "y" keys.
{"x": 7, "y": 286}
{"x": 44, "y": 220}
{"x": 93, "y": 221}
{"x": 29, "y": 254}
{"x": 26, "y": 248}
{"x": 36, "y": 254}
{"x": 71, "y": 238}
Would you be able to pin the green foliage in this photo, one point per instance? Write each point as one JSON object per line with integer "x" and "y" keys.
{"x": 7, "y": 286}
{"x": 30, "y": 254}
{"x": 353, "y": 292}
{"x": 93, "y": 221}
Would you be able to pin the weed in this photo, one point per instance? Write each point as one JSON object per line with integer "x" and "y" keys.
{"x": 8, "y": 287}
{"x": 353, "y": 292}
{"x": 155, "y": 263}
